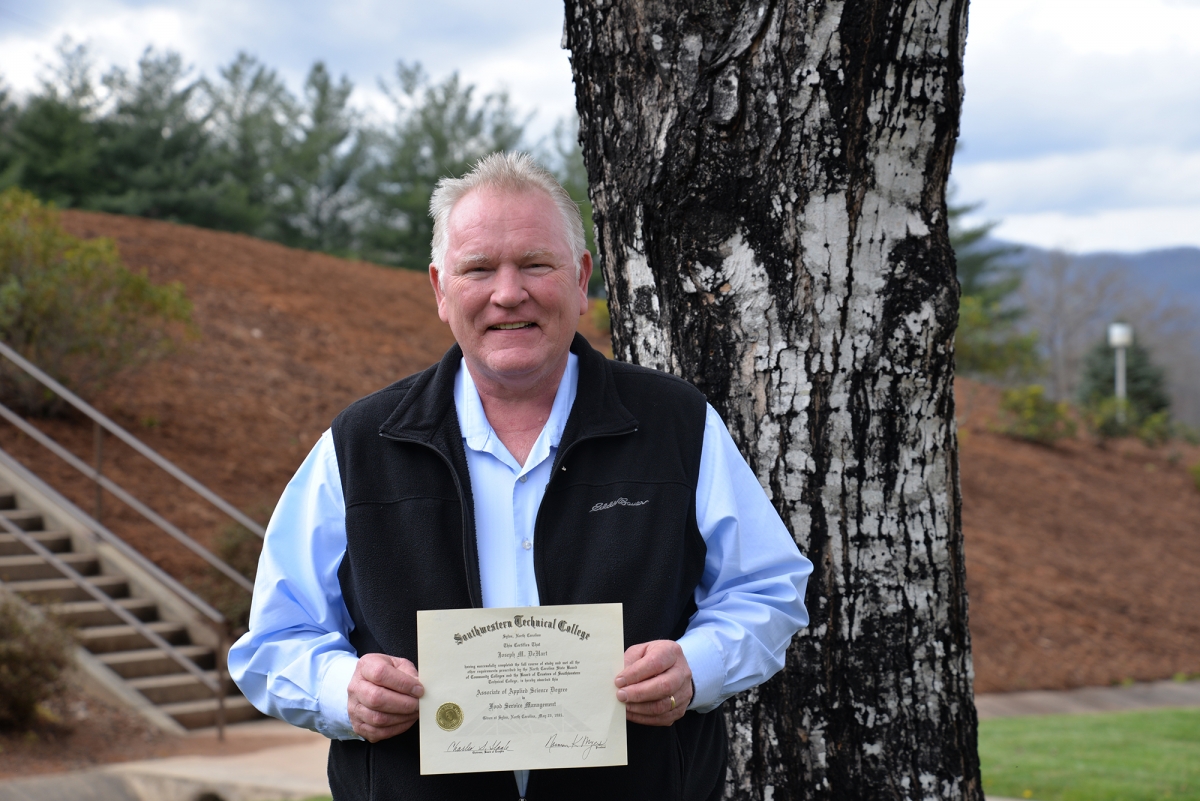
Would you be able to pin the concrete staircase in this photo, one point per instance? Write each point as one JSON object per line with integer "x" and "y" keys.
{"x": 116, "y": 659}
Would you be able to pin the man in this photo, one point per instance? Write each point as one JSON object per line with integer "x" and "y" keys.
{"x": 523, "y": 469}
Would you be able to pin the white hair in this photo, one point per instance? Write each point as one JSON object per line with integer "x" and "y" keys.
{"x": 505, "y": 172}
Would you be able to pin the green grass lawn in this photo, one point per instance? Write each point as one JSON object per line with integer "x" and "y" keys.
{"x": 1117, "y": 756}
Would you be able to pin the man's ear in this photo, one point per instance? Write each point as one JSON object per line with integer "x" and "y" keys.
{"x": 585, "y": 276}
{"x": 438, "y": 295}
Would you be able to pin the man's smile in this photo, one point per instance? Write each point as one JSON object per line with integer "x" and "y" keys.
{"x": 510, "y": 326}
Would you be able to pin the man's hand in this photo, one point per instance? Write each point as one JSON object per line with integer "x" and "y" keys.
{"x": 382, "y": 696}
{"x": 654, "y": 672}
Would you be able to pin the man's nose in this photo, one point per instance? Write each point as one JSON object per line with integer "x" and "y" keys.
{"x": 509, "y": 287}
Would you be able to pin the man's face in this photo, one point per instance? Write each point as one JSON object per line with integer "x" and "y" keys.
{"x": 511, "y": 295}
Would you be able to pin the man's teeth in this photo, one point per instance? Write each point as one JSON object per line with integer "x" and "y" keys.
{"x": 510, "y": 326}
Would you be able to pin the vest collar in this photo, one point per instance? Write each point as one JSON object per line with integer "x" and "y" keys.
{"x": 597, "y": 412}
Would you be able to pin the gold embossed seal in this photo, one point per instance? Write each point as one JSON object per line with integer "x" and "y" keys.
{"x": 449, "y": 716}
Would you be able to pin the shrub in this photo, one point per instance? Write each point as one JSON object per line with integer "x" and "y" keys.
{"x": 1109, "y": 418}
{"x": 72, "y": 308}
{"x": 1155, "y": 429}
{"x": 1195, "y": 471}
{"x": 1189, "y": 434}
{"x": 1106, "y": 422}
{"x": 33, "y": 656}
{"x": 1032, "y": 416}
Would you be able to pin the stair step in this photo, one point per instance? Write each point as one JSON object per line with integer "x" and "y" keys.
{"x": 153, "y": 662}
{"x": 94, "y": 613}
{"x": 177, "y": 688}
{"x": 31, "y": 566}
{"x": 26, "y": 519}
{"x": 54, "y": 541}
{"x": 56, "y": 590}
{"x": 107, "y": 639}
{"x": 202, "y": 714}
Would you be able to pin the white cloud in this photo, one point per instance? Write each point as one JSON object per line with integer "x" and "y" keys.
{"x": 1038, "y": 82}
{"x": 1125, "y": 230}
{"x": 1078, "y": 113}
{"x": 1084, "y": 182}
{"x": 1106, "y": 27}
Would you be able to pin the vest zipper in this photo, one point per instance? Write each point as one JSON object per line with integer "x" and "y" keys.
{"x": 462, "y": 503}
{"x": 555, "y": 469}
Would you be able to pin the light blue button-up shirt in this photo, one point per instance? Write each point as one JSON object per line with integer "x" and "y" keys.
{"x": 296, "y": 661}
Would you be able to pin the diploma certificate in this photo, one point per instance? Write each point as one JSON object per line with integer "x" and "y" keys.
{"x": 521, "y": 689}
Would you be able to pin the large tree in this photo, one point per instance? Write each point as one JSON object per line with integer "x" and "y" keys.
{"x": 768, "y": 181}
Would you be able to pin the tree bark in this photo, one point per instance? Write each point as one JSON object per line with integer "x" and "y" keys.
{"x": 768, "y": 181}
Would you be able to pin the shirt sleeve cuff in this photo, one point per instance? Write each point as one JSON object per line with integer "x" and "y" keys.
{"x": 704, "y": 657}
{"x": 333, "y": 714}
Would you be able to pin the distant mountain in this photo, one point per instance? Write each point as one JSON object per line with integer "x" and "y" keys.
{"x": 1158, "y": 291}
{"x": 1172, "y": 272}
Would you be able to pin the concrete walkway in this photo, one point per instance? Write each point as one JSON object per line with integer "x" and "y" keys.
{"x": 290, "y": 772}
{"x": 1151, "y": 695}
{"x": 297, "y": 771}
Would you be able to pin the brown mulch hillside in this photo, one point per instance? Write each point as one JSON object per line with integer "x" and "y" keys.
{"x": 1083, "y": 562}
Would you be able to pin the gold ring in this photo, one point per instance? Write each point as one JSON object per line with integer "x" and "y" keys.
{"x": 672, "y": 702}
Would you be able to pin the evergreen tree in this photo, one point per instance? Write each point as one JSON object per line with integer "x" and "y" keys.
{"x": 987, "y": 341}
{"x": 156, "y": 158}
{"x": 440, "y": 130}
{"x": 251, "y": 111}
{"x": 1145, "y": 381}
{"x": 51, "y": 142}
{"x": 8, "y": 117}
{"x": 317, "y": 200}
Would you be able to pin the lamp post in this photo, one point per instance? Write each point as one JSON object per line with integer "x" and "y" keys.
{"x": 1120, "y": 337}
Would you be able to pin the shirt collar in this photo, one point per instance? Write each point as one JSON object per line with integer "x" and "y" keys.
{"x": 478, "y": 433}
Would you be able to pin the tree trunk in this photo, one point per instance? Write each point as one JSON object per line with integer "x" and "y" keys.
{"x": 768, "y": 181}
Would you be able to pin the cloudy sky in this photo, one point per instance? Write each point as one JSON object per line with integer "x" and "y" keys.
{"x": 1081, "y": 127}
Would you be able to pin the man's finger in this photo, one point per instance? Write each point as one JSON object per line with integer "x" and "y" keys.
{"x": 657, "y": 657}
{"x": 656, "y": 688}
{"x": 391, "y": 672}
{"x": 381, "y": 699}
{"x": 374, "y": 734}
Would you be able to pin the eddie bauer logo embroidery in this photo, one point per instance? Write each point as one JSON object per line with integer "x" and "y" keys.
{"x": 600, "y": 507}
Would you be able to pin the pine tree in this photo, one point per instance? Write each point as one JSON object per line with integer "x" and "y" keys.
{"x": 440, "y": 130}
{"x": 1145, "y": 381}
{"x": 988, "y": 342}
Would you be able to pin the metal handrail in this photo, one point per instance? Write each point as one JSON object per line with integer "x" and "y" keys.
{"x": 130, "y": 440}
{"x": 116, "y": 489}
{"x": 215, "y": 685}
{"x": 101, "y": 532}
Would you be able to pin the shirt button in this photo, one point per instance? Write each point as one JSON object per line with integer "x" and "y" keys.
{"x": 522, "y": 478}
{"x": 527, "y": 545}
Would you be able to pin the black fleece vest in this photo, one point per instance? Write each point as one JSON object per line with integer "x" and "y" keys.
{"x": 632, "y": 434}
